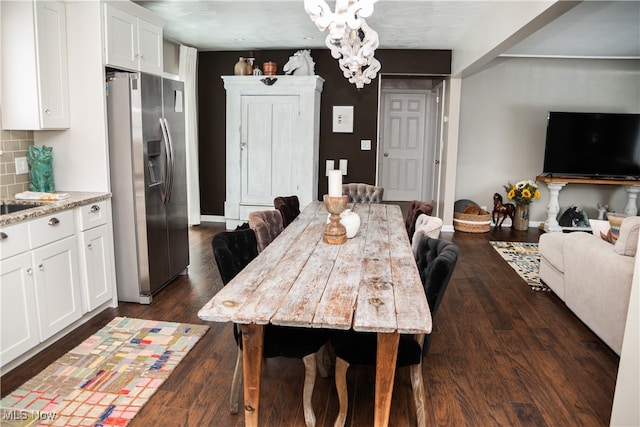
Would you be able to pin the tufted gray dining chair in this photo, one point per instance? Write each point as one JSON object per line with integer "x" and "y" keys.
{"x": 362, "y": 193}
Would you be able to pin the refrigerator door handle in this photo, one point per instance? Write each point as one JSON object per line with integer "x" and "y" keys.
{"x": 170, "y": 159}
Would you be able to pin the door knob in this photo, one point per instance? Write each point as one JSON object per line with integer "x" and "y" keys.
{"x": 386, "y": 154}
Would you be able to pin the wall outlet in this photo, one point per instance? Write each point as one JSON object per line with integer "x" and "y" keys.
{"x": 365, "y": 144}
{"x": 22, "y": 166}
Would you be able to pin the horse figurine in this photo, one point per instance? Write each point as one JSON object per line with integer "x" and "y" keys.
{"x": 504, "y": 209}
{"x": 300, "y": 64}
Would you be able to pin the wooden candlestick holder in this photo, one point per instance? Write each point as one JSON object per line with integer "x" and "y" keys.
{"x": 334, "y": 232}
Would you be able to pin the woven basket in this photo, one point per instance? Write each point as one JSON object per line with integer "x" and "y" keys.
{"x": 472, "y": 223}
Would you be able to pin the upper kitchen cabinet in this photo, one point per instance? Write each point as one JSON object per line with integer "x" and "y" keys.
{"x": 132, "y": 43}
{"x": 35, "y": 82}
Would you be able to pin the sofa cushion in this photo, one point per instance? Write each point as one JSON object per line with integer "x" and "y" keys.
{"x": 615, "y": 220}
{"x": 550, "y": 247}
{"x": 627, "y": 243}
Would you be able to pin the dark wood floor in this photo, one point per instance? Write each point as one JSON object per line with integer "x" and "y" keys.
{"x": 502, "y": 355}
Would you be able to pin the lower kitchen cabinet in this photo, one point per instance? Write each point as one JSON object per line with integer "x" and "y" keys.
{"x": 96, "y": 254}
{"x": 54, "y": 269}
{"x": 57, "y": 286}
{"x": 18, "y": 308}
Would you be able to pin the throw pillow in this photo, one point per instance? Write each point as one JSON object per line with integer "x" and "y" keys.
{"x": 627, "y": 243}
{"x": 615, "y": 220}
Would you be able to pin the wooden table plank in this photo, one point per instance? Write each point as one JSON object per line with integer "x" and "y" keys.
{"x": 412, "y": 318}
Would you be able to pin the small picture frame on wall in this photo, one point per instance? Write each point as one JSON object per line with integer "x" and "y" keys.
{"x": 343, "y": 119}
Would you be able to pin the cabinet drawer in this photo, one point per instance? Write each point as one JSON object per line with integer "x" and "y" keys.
{"x": 92, "y": 215}
{"x": 50, "y": 228}
{"x": 14, "y": 239}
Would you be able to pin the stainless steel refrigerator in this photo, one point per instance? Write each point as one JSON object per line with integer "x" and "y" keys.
{"x": 148, "y": 182}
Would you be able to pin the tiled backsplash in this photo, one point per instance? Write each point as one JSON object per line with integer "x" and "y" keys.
{"x": 14, "y": 143}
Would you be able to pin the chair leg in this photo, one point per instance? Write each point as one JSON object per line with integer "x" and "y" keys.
{"x": 236, "y": 384}
{"x": 417, "y": 384}
{"x": 324, "y": 361}
{"x": 310, "y": 367}
{"x": 341, "y": 388}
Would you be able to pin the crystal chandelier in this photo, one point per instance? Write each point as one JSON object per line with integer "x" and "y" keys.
{"x": 351, "y": 40}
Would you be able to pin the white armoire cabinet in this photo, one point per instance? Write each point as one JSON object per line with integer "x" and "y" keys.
{"x": 273, "y": 133}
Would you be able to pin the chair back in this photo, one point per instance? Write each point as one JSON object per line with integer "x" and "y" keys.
{"x": 289, "y": 207}
{"x": 363, "y": 193}
{"x": 436, "y": 260}
{"x": 267, "y": 225}
{"x": 425, "y": 226}
{"x": 233, "y": 250}
{"x": 416, "y": 208}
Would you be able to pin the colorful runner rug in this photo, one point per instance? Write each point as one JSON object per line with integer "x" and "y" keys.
{"x": 524, "y": 259}
{"x": 107, "y": 379}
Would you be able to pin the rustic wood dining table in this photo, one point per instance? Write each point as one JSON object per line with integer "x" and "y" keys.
{"x": 370, "y": 283}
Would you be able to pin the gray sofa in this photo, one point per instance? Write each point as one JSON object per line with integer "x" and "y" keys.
{"x": 592, "y": 276}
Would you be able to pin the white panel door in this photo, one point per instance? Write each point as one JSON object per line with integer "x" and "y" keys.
{"x": 402, "y": 145}
{"x": 267, "y": 146}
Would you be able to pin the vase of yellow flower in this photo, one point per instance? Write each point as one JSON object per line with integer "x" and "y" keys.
{"x": 522, "y": 193}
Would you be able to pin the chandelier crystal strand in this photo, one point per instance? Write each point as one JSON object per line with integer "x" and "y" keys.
{"x": 350, "y": 40}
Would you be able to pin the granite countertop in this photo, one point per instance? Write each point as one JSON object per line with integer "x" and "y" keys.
{"x": 76, "y": 198}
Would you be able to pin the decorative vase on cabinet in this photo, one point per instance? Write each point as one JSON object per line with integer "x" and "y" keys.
{"x": 240, "y": 69}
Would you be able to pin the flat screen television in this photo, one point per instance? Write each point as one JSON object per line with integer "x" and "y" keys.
{"x": 592, "y": 145}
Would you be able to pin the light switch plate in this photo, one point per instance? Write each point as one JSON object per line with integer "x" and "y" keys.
{"x": 22, "y": 166}
{"x": 365, "y": 144}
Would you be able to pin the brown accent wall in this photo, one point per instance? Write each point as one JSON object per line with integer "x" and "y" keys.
{"x": 337, "y": 91}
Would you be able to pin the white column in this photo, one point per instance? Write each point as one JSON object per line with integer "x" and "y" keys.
{"x": 632, "y": 196}
{"x": 553, "y": 207}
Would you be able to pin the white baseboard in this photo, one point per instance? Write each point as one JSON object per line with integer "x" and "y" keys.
{"x": 212, "y": 218}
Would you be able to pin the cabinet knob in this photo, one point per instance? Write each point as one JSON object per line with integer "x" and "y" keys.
{"x": 3, "y": 235}
{"x": 54, "y": 221}
{"x": 95, "y": 208}
{"x": 47, "y": 112}
{"x": 29, "y": 271}
{"x": 41, "y": 266}
{"x": 90, "y": 246}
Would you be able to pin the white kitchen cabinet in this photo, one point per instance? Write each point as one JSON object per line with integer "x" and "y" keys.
{"x": 55, "y": 268}
{"x": 18, "y": 311}
{"x": 35, "y": 81}
{"x": 39, "y": 289}
{"x": 131, "y": 42}
{"x": 272, "y": 142}
{"x": 96, "y": 254}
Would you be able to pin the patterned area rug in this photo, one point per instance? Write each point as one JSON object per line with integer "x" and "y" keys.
{"x": 524, "y": 259}
{"x": 107, "y": 379}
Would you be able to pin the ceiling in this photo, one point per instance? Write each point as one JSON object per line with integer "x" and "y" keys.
{"x": 590, "y": 29}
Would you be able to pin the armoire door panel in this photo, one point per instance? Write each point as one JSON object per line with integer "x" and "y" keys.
{"x": 269, "y": 124}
